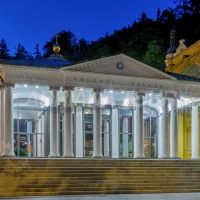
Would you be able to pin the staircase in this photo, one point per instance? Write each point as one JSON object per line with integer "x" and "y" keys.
{"x": 48, "y": 177}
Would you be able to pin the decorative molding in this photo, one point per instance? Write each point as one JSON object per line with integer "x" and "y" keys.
{"x": 64, "y": 88}
{"x": 57, "y": 88}
{"x": 8, "y": 84}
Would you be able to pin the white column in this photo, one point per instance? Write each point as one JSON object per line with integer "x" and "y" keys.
{"x": 34, "y": 145}
{"x": 29, "y": 130}
{"x": 164, "y": 143}
{"x": 125, "y": 136}
{"x": 159, "y": 128}
{"x": 2, "y": 127}
{"x": 174, "y": 129}
{"x": 39, "y": 137}
{"x": 42, "y": 141}
{"x": 53, "y": 123}
{"x": 115, "y": 132}
{"x": 106, "y": 138}
{"x": 97, "y": 126}
{"x": 139, "y": 128}
{"x": 68, "y": 131}
{"x": 195, "y": 131}
{"x": 133, "y": 129}
{"x": 79, "y": 131}
{"x": 9, "y": 135}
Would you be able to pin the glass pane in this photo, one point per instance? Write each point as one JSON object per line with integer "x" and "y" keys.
{"x": 88, "y": 131}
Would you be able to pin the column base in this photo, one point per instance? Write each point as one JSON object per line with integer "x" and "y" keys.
{"x": 175, "y": 157}
{"x": 195, "y": 157}
{"x": 139, "y": 156}
{"x": 52, "y": 155}
{"x": 97, "y": 156}
{"x": 68, "y": 156}
{"x": 164, "y": 157}
{"x": 12, "y": 154}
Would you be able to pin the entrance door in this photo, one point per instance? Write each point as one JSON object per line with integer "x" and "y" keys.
{"x": 150, "y": 137}
{"x": 88, "y": 131}
{"x": 126, "y": 134}
{"x": 25, "y": 140}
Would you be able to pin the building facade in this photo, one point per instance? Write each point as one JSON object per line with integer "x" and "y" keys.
{"x": 113, "y": 107}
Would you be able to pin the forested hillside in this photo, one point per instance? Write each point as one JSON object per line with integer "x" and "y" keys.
{"x": 146, "y": 39}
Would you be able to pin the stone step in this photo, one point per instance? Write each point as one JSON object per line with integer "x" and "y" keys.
{"x": 43, "y": 177}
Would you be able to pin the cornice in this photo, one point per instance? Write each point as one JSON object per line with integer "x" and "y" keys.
{"x": 149, "y": 68}
{"x": 29, "y": 69}
{"x": 92, "y": 63}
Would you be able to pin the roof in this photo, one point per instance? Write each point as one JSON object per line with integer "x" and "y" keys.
{"x": 40, "y": 62}
{"x": 183, "y": 77}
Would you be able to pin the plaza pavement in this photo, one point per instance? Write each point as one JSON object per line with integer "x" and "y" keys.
{"x": 165, "y": 196}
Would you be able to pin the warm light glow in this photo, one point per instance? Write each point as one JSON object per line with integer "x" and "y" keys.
{"x": 104, "y": 101}
{"x": 126, "y": 102}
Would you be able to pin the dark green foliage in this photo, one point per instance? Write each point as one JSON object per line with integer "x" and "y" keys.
{"x": 155, "y": 54}
{"x": 21, "y": 52}
{"x": 37, "y": 51}
{"x": 4, "y": 50}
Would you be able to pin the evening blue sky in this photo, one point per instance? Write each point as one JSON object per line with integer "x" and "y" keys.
{"x": 35, "y": 21}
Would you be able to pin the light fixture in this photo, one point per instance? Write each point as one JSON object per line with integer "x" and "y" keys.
{"x": 122, "y": 92}
{"x": 81, "y": 88}
{"x": 25, "y": 85}
{"x": 111, "y": 91}
{"x": 36, "y": 86}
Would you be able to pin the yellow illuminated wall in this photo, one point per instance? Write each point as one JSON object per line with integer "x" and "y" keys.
{"x": 185, "y": 62}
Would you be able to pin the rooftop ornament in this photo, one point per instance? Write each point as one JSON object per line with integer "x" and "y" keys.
{"x": 56, "y": 46}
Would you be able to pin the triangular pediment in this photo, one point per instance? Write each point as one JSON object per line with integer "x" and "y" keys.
{"x": 120, "y": 65}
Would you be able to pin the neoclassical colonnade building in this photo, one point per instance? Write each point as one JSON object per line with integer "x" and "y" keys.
{"x": 113, "y": 107}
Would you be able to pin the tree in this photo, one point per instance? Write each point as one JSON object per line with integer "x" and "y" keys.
{"x": 82, "y": 51}
{"x": 182, "y": 7}
{"x": 155, "y": 54}
{"x": 21, "y": 52}
{"x": 4, "y": 50}
{"x": 37, "y": 51}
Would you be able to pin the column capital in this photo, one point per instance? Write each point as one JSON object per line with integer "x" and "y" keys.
{"x": 140, "y": 93}
{"x": 57, "y": 88}
{"x": 115, "y": 106}
{"x": 65, "y": 88}
{"x": 97, "y": 90}
{"x": 169, "y": 94}
{"x": 8, "y": 84}
{"x": 78, "y": 104}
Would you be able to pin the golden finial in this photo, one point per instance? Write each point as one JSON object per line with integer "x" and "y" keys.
{"x": 56, "y": 46}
